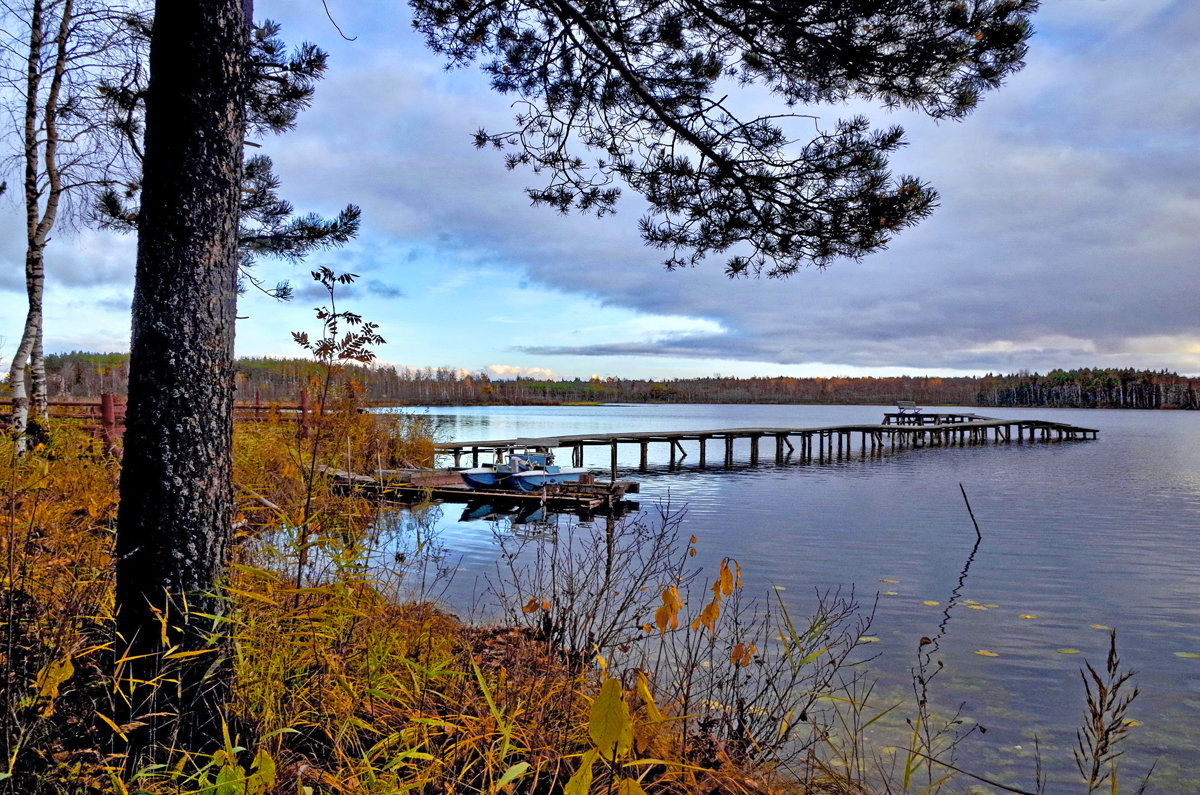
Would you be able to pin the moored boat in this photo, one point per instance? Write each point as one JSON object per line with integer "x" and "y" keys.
{"x": 522, "y": 470}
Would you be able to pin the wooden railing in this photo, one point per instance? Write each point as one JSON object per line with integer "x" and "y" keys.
{"x": 105, "y": 416}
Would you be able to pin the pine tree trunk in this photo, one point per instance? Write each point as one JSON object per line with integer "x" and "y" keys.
{"x": 176, "y": 496}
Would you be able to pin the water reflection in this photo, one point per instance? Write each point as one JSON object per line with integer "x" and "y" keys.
{"x": 1081, "y": 534}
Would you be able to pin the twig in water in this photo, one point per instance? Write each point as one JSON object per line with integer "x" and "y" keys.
{"x": 969, "y": 511}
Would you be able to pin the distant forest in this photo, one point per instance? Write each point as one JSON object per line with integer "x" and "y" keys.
{"x": 82, "y": 374}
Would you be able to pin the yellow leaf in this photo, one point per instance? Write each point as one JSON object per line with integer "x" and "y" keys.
{"x": 977, "y": 607}
{"x": 50, "y": 678}
{"x": 609, "y": 724}
{"x": 581, "y": 782}
{"x": 891, "y": 581}
{"x": 1099, "y": 626}
{"x": 1028, "y": 616}
{"x": 1187, "y": 655}
{"x": 531, "y": 606}
{"x": 867, "y": 639}
{"x": 932, "y": 603}
{"x": 629, "y": 786}
{"x": 726, "y": 578}
{"x": 1068, "y": 651}
{"x": 643, "y": 689}
{"x": 708, "y": 617}
{"x": 112, "y": 725}
{"x": 663, "y": 617}
{"x": 986, "y": 653}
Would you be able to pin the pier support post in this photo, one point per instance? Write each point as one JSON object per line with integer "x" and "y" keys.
{"x": 643, "y": 444}
{"x": 754, "y": 450}
{"x": 703, "y": 440}
{"x": 671, "y": 444}
{"x": 728, "y": 451}
{"x": 474, "y": 456}
{"x": 614, "y": 462}
{"x": 779, "y": 448}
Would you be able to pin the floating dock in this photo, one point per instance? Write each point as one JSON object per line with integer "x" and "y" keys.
{"x": 898, "y": 430}
{"x": 444, "y": 485}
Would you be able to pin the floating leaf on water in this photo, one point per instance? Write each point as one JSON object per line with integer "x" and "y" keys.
{"x": 893, "y": 581}
{"x": 971, "y": 601}
{"x": 1131, "y": 723}
{"x": 977, "y": 607}
{"x": 986, "y": 653}
{"x": 1099, "y": 626}
{"x": 1068, "y": 651}
{"x": 1187, "y": 654}
{"x": 991, "y": 605}
{"x": 779, "y": 588}
{"x": 1029, "y": 615}
{"x": 868, "y": 639}
{"x": 889, "y": 593}
{"x": 932, "y": 602}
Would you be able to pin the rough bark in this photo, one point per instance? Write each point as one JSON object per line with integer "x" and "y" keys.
{"x": 176, "y": 507}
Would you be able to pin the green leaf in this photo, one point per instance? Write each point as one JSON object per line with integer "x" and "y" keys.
{"x": 609, "y": 724}
{"x": 512, "y": 774}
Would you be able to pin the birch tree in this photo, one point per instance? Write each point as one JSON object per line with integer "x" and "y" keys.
{"x": 56, "y": 54}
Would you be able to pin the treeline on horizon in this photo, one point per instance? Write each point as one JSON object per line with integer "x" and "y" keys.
{"x": 85, "y": 374}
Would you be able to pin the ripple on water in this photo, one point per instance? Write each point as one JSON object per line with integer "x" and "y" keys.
{"x": 1077, "y": 534}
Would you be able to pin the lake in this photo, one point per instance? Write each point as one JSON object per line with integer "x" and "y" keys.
{"x": 1077, "y": 537}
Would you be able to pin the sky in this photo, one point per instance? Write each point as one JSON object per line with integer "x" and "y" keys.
{"x": 1068, "y": 231}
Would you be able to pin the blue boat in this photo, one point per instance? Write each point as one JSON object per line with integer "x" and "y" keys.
{"x": 537, "y": 479}
{"x": 524, "y": 470}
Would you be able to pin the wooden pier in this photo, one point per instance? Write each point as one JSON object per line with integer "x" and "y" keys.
{"x": 897, "y": 431}
{"x": 444, "y": 485}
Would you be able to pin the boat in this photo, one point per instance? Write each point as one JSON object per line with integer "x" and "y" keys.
{"x": 548, "y": 475}
{"x": 521, "y": 470}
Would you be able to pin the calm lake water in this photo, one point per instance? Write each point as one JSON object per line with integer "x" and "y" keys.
{"x": 1083, "y": 535}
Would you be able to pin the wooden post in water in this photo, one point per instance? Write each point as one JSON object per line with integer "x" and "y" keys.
{"x": 728, "y": 450}
{"x": 642, "y": 465}
{"x": 754, "y": 449}
{"x": 703, "y": 439}
{"x": 671, "y": 444}
{"x": 614, "y": 461}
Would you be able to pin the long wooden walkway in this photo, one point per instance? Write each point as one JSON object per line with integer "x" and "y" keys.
{"x": 822, "y": 443}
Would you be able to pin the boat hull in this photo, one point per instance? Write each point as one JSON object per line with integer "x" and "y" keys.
{"x": 484, "y": 478}
{"x": 537, "y": 479}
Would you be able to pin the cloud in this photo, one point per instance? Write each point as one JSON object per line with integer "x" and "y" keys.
{"x": 509, "y": 372}
{"x": 1067, "y": 231}
{"x": 383, "y": 289}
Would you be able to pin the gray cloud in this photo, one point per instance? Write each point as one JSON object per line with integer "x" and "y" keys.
{"x": 1067, "y": 232}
